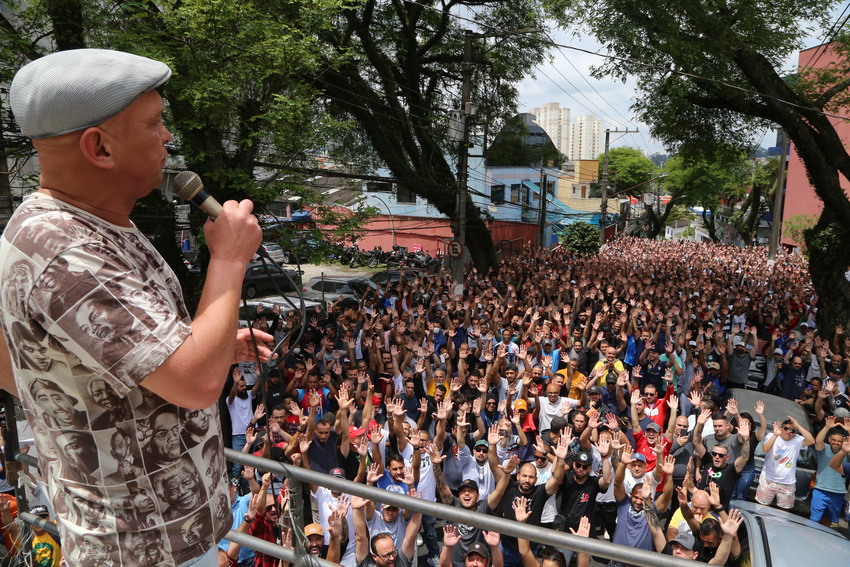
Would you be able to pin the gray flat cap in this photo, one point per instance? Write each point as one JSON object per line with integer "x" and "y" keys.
{"x": 71, "y": 90}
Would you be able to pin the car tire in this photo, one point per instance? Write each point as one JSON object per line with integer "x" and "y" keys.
{"x": 250, "y": 292}
{"x": 284, "y": 258}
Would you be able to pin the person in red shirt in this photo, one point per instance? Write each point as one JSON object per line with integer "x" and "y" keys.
{"x": 647, "y": 441}
{"x": 657, "y": 409}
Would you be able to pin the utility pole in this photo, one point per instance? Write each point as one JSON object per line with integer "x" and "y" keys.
{"x": 467, "y": 110}
{"x": 463, "y": 155}
{"x": 541, "y": 217}
{"x": 779, "y": 201}
{"x": 603, "y": 206}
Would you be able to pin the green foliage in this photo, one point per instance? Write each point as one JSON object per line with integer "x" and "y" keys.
{"x": 628, "y": 170}
{"x": 581, "y": 237}
{"x": 796, "y": 227}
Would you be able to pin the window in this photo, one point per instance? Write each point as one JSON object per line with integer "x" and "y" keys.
{"x": 379, "y": 187}
{"x": 405, "y": 195}
{"x": 550, "y": 187}
{"x": 497, "y": 194}
{"x": 515, "y": 193}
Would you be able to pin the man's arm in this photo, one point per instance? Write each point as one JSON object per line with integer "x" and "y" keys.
{"x": 744, "y": 431}
{"x": 233, "y": 239}
{"x": 698, "y": 444}
{"x": 361, "y": 530}
{"x": 561, "y": 451}
{"x": 408, "y": 545}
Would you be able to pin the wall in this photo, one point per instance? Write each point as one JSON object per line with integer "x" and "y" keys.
{"x": 800, "y": 198}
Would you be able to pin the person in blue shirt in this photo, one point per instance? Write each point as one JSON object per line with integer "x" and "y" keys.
{"x": 828, "y": 494}
{"x": 238, "y": 507}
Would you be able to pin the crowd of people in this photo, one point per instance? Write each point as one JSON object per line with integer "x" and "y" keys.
{"x": 594, "y": 395}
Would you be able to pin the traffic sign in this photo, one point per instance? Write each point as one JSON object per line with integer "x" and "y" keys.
{"x": 455, "y": 249}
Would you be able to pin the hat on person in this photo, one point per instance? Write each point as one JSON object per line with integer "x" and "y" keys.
{"x": 692, "y": 343}
{"x": 737, "y": 341}
{"x": 468, "y": 483}
{"x": 639, "y": 457}
{"x": 653, "y": 427}
{"x": 594, "y": 390}
{"x": 520, "y": 404}
{"x": 685, "y": 539}
{"x": 79, "y": 88}
{"x": 337, "y": 472}
{"x": 313, "y": 529}
{"x": 713, "y": 366}
{"x": 583, "y": 457}
{"x": 478, "y": 548}
{"x": 778, "y": 350}
{"x": 558, "y": 423}
{"x": 355, "y": 432}
{"x": 492, "y": 397}
{"x": 482, "y": 443}
{"x": 40, "y": 510}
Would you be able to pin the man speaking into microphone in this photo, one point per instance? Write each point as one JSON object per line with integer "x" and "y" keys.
{"x": 105, "y": 309}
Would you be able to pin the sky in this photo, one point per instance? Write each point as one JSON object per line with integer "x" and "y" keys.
{"x": 566, "y": 80}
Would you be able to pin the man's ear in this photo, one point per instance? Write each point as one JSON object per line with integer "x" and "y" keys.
{"x": 95, "y": 145}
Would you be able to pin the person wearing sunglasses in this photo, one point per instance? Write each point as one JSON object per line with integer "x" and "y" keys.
{"x": 778, "y": 478}
{"x": 580, "y": 488}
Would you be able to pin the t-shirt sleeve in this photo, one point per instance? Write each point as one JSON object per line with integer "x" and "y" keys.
{"x": 116, "y": 322}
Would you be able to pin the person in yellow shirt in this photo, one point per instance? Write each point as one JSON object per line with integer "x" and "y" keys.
{"x": 603, "y": 367}
{"x": 46, "y": 552}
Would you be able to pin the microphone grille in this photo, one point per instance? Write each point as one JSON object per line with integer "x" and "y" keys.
{"x": 187, "y": 184}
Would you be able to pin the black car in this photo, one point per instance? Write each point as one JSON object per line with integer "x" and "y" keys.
{"x": 269, "y": 279}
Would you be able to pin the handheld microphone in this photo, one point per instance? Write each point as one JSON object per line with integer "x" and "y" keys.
{"x": 189, "y": 187}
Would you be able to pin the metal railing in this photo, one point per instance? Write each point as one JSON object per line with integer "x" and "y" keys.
{"x": 592, "y": 546}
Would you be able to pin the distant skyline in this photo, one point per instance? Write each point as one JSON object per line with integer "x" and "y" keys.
{"x": 566, "y": 79}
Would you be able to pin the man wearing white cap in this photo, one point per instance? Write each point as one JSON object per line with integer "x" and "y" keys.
{"x": 90, "y": 278}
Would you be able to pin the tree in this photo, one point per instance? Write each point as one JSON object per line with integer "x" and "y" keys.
{"x": 628, "y": 170}
{"x": 710, "y": 72}
{"x": 240, "y": 104}
{"x": 402, "y": 62}
{"x": 581, "y": 238}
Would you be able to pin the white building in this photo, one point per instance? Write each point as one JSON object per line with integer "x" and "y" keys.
{"x": 587, "y": 137}
{"x": 555, "y": 121}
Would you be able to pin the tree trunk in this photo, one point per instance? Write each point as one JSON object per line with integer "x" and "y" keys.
{"x": 828, "y": 243}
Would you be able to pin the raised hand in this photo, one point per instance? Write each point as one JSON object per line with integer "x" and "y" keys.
{"x": 704, "y": 416}
{"x": 562, "y": 449}
{"x": 583, "y": 527}
{"x": 744, "y": 428}
{"x": 358, "y": 502}
{"x": 374, "y": 473}
{"x": 521, "y": 509}
{"x": 493, "y": 435}
{"x": 732, "y": 406}
{"x": 376, "y": 434}
{"x": 304, "y": 444}
{"x": 509, "y": 467}
{"x": 492, "y": 538}
{"x": 408, "y": 476}
{"x": 604, "y": 447}
{"x": 732, "y": 523}
{"x": 451, "y": 537}
{"x": 669, "y": 464}
{"x": 713, "y": 494}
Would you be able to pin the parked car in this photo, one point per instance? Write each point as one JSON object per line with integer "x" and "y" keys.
{"x": 275, "y": 252}
{"x": 409, "y": 274}
{"x": 265, "y": 307}
{"x": 268, "y": 279}
{"x": 329, "y": 289}
{"x": 773, "y": 538}
{"x": 777, "y": 408}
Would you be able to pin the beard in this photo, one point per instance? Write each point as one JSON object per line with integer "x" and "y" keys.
{"x": 242, "y": 395}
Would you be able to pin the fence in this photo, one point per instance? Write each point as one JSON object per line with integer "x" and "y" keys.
{"x": 595, "y": 547}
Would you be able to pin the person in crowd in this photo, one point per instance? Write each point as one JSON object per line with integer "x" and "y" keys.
{"x": 829, "y": 490}
{"x": 778, "y": 478}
